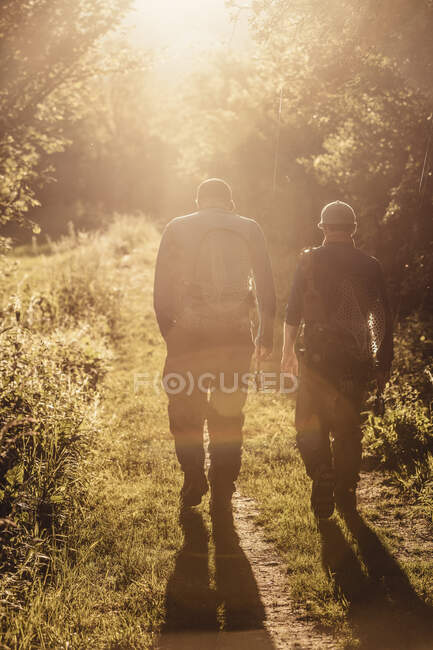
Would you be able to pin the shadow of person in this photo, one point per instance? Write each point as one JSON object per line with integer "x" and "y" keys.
{"x": 241, "y": 609}
{"x": 383, "y": 607}
{"x": 190, "y": 603}
{"x": 195, "y": 613}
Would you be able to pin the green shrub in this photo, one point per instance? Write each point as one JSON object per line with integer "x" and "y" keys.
{"x": 414, "y": 354}
{"x": 403, "y": 438}
{"x": 402, "y": 441}
{"x": 47, "y": 420}
{"x": 55, "y": 329}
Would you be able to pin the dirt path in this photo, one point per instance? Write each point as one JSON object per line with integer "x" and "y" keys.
{"x": 248, "y": 603}
{"x": 249, "y": 597}
{"x": 287, "y": 625}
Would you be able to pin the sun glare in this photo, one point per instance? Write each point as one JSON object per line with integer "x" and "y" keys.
{"x": 182, "y": 26}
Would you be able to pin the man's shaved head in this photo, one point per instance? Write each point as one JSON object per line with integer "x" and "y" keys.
{"x": 214, "y": 189}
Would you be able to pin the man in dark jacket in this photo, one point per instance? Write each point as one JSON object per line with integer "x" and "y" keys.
{"x": 207, "y": 263}
{"x": 339, "y": 294}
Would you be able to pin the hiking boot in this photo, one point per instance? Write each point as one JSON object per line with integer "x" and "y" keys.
{"x": 345, "y": 500}
{"x": 194, "y": 488}
{"x": 322, "y": 493}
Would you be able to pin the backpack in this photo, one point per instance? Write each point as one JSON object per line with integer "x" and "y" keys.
{"x": 343, "y": 342}
{"x": 216, "y": 294}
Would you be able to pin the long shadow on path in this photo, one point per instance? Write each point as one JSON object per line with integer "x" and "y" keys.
{"x": 384, "y": 610}
{"x": 194, "y": 611}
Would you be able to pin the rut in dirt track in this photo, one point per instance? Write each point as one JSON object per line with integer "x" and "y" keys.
{"x": 287, "y": 625}
{"x": 251, "y": 596}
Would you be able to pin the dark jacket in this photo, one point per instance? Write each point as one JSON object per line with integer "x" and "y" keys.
{"x": 179, "y": 244}
{"x": 332, "y": 263}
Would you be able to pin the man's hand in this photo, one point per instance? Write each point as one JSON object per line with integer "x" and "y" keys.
{"x": 289, "y": 363}
{"x": 382, "y": 378}
{"x": 262, "y": 353}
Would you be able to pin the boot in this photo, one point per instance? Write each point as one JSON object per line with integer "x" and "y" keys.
{"x": 322, "y": 493}
{"x": 194, "y": 488}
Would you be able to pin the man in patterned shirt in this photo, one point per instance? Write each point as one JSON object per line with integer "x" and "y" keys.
{"x": 339, "y": 295}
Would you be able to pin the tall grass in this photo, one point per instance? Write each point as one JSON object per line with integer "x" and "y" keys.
{"x": 57, "y": 325}
{"x": 402, "y": 441}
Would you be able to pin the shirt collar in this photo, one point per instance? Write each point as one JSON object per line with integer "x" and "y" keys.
{"x": 350, "y": 244}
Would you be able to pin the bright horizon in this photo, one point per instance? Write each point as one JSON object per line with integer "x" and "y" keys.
{"x": 186, "y": 29}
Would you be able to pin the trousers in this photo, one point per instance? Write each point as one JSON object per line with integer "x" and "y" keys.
{"x": 328, "y": 424}
{"x": 207, "y": 382}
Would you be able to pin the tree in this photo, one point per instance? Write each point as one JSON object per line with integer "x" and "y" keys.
{"x": 356, "y": 73}
{"x": 49, "y": 50}
{"x": 117, "y": 161}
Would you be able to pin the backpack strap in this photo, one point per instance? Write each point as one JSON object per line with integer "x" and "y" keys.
{"x": 314, "y": 310}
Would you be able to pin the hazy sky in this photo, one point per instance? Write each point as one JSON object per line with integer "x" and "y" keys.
{"x": 184, "y": 28}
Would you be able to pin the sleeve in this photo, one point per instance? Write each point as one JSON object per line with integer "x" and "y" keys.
{"x": 294, "y": 307}
{"x": 265, "y": 288}
{"x": 385, "y": 353}
{"x": 164, "y": 282}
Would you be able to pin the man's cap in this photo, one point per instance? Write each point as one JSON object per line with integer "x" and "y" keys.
{"x": 214, "y": 188}
{"x": 337, "y": 213}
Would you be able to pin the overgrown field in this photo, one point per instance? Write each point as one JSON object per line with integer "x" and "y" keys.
{"x": 89, "y": 480}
